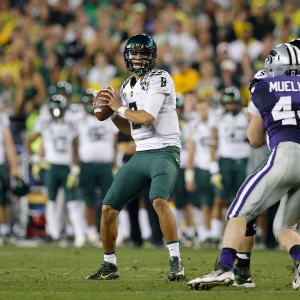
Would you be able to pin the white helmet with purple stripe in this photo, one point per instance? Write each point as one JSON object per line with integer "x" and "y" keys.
{"x": 283, "y": 59}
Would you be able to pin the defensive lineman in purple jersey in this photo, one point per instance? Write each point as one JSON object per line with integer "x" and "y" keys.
{"x": 274, "y": 108}
{"x": 278, "y": 100}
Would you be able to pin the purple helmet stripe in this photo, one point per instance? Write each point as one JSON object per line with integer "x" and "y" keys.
{"x": 248, "y": 186}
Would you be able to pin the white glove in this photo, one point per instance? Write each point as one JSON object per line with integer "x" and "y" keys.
{"x": 73, "y": 177}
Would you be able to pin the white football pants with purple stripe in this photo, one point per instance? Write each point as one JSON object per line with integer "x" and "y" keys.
{"x": 268, "y": 185}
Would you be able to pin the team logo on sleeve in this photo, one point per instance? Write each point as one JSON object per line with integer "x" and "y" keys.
{"x": 147, "y": 78}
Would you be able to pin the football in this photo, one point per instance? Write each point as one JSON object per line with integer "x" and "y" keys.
{"x": 102, "y": 112}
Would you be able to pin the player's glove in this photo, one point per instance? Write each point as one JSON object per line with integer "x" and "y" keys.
{"x": 73, "y": 177}
{"x": 37, "y": 164}
{"x": 216, "y": 180}
{"x": 215, "y": 176}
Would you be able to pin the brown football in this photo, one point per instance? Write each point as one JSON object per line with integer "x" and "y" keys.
{"x": 101, "y": 112}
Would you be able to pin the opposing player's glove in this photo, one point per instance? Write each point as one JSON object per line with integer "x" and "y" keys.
{"x": 215, "y": 176}
{"x": 73, "y": 177}
{"x": 37, "y": 164}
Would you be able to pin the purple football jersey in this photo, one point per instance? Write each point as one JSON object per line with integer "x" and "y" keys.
{"x": 278, "y": 101}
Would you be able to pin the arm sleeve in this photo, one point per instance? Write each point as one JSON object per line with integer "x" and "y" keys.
{"x": 161, "y": 85}
{"x": 153, "y": 104}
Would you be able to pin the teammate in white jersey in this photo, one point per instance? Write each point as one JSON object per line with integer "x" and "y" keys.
{"x": 95, "y": 147}
{"x": 58, "y": 131}
{"x": 7, "y": 150}
{"x": 183, "y": 199}
{"x": 197, "y": 171}
{"x": 229, "y": 153}
{"x": 149, "y": 117}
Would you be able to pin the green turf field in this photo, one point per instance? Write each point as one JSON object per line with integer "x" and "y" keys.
{"x": 59, "y": 273}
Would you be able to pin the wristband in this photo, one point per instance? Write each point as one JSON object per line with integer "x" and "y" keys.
{"x": 189, "y": 175}
{"x": 121, "y": 111}
{"x": 113, "y": 115}
{"x": 214, "y": 167}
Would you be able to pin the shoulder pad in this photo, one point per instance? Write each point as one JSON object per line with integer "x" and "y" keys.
{"x": 151, "y": 75}
{"x": 257, "y": 77}
{"x": 125, "y": 83}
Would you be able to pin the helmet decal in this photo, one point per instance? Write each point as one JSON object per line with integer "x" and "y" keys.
{"x": 283, "y": 59}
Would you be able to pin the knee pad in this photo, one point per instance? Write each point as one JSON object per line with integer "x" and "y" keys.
{"x": 251, "y": 228}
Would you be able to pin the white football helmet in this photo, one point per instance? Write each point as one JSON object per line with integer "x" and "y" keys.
{"x": 283, "y": 59}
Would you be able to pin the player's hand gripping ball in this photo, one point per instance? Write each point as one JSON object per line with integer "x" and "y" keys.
{"x": 102, "y": 112}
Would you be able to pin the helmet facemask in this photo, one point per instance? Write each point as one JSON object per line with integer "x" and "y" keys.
{"x": 139, "y": 62}
{"x": 231, "y": 100}
{"x": 57, "y": 106}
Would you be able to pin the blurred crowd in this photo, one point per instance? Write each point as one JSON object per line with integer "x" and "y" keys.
{"x": 206, "y": 45}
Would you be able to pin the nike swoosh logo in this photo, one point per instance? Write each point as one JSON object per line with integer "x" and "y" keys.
{"x": 106, "y": 276}
{"x": 177, "y": 159}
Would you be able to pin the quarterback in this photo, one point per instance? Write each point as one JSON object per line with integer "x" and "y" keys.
{"x": 149, "y": 117}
